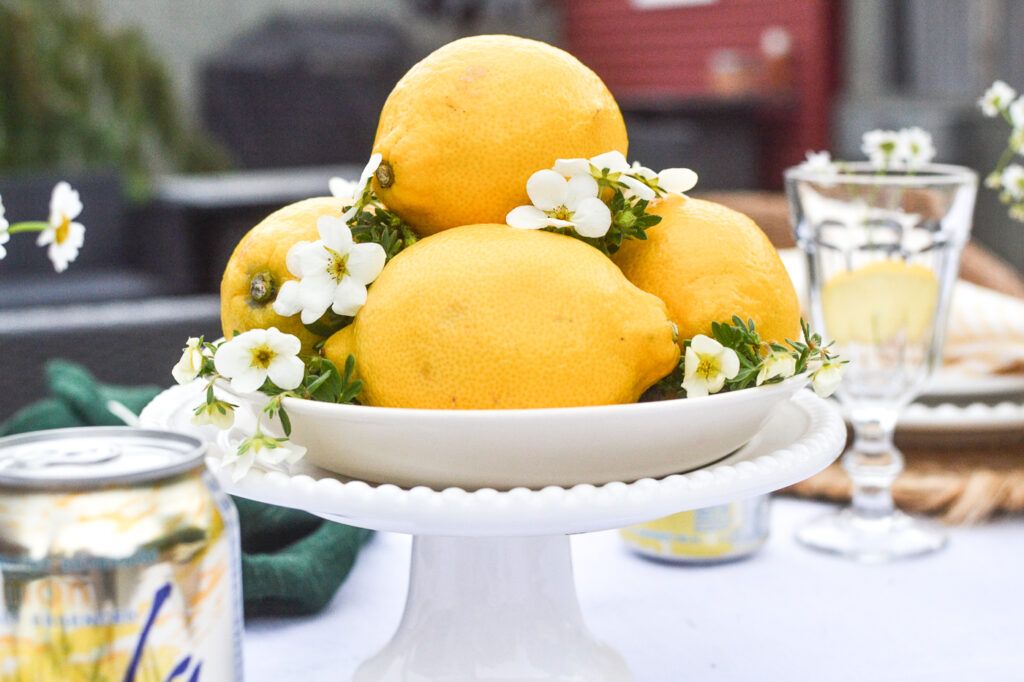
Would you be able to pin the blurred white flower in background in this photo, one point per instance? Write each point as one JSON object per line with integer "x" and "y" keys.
{"x": 63, "y": 235}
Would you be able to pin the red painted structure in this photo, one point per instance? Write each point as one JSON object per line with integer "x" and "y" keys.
{"x": 667, "y": 52}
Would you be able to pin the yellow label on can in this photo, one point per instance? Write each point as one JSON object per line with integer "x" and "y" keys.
{"x": 710, "y": 534}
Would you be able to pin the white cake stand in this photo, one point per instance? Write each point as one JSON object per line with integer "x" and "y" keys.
{"x": 491, "y": 592}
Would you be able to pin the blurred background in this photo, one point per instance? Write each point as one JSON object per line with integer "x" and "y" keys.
{"x": 183, "y": 124}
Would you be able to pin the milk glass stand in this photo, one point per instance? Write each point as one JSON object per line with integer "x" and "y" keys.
{"x": 883, "y": 251}
{"x": 491, "y": 591}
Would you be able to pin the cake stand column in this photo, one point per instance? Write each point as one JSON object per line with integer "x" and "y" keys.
{"x": 494, "y": 609}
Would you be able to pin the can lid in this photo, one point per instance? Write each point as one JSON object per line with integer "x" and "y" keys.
{"x": 95, "y": 456}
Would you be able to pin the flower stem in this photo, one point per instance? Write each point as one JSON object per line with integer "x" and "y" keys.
{"x": 28, "y": 226}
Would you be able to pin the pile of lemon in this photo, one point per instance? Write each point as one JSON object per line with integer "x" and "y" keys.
{"x": 479, "y": 315}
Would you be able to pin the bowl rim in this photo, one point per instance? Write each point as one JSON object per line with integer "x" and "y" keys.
{"x": 315, "y": 408}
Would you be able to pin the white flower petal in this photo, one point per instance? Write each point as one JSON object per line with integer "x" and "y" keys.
{"x": 285, "y": 344}
{"x": 692, "y": 382}
{"x": 1016, "y": 112}
{"x": 342, "y": 188}
{"x": 248, "y": 380}
{"x": 579, "y": 188}
{"x": 614, "y": 161}
{"x": 371, "y": 167}
{"x": 730, "y": 364}
{"x": 526, "y": 218}
{"x": 677, "y": 180}
{"x": 705, "y": 345}
{"x": 547, "y": 190}
{"x": 46, "y": 236}
{"x": 291, "y": 260}
{"x": 638, "y": 188}
{"x": 349, "y": 297}
{"x": 315, "y": 294}
{"x": 240, "y": 465}
{"x": 64, "y": 203}
{"x": 571, "y": 167}
{"x": 191, "y": 362}
{"x": 366, "y": 261}
{"x": 286, "y": 371}
{"x": 310, "y": 259}
{"x": 288, "y": 300}
{"x": 334, "y": 233}
{"x": 640, "y": 171}
{"x": 592, "y": 218}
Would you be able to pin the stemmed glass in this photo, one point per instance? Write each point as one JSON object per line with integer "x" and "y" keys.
{"x": 882, "y": 250}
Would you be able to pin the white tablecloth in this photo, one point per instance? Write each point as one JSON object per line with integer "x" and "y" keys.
{"x": 785, "y": 614}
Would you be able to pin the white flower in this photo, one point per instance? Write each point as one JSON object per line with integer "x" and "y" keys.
{"x": 915, "y": 148}
{"x": 252, "y": 357}
{"x": 996, "y": 98}
{"x": 1016, "y": 113}
{"x": 5, "y": 236}
{"x": 558, "y": 202}
{"x": 64, "y": 236}
{"x": 218, "y": 413}
{"x": 191, "y": 362}
{"x": 880, "y": 146}
{"x": 777, "y": 364}
{"x": 357, "y": 192}
{"x": 639, "y": 180}
{"x": 1013, "y": 180}
{"x": 262, "y": 450}
{"x": 826, "y": 379}
{"x": 332, "y": 272}
{"x": 820, "y": 162}
{"x": 707, "y": 366}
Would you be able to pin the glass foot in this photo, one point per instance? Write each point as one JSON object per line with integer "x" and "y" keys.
{"x": 872, "y": 539}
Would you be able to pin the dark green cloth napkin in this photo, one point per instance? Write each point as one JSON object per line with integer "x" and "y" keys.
{"x": 292, "y": 561}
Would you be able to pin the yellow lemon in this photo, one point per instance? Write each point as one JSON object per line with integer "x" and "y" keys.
{"x": 257, "y": 269}
{"x": 708, "y": 263}
{"x": 466, "y": 127}
{"x": 877, "y": 301}
{"x": 488, "y": 317}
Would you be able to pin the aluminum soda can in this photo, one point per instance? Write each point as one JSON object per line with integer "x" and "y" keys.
{"x": 119, "y": 560}
{"x": 702, "y": 536}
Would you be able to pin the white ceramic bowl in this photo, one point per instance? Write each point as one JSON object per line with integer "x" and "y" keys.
{"x": 530, "y": 448}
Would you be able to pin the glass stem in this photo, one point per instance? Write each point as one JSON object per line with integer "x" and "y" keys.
{"x": 873, "y": 462}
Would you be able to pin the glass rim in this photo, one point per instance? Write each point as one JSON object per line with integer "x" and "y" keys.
{"x": 864, "y": 173}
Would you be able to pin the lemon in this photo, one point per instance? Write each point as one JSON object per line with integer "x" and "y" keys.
{"x": 490, "y": 317}
{"x": 878, "y": 301}
{"x": 466, "y": 127}
{"x": 708, "y": 263}
{"x": 257, "y": 269}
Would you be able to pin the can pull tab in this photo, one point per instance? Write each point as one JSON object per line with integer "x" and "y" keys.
{"x": 64, "y": 457}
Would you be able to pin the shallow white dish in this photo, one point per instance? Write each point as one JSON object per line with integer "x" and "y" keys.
{"x": 954, "y": 384}
{"x": 531, "y": 448}
{"x": 1005, "y": 418}
{"x": 802, "y": 436}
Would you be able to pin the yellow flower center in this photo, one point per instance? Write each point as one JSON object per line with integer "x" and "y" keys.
{"x": 708, "y": 366}
{"x": 338, "y": 267}
{"x": 262, "y": 356}
{"x": 561, "y": 213}
{"x": 63, "y": 229}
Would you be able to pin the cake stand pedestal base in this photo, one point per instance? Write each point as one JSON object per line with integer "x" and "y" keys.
{"x": 494, "y": 609}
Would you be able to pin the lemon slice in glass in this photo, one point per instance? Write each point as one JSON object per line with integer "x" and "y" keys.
{"x": 876, "y": 302}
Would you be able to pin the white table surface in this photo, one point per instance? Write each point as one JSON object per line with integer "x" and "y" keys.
{"x": 785, "y": 614}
